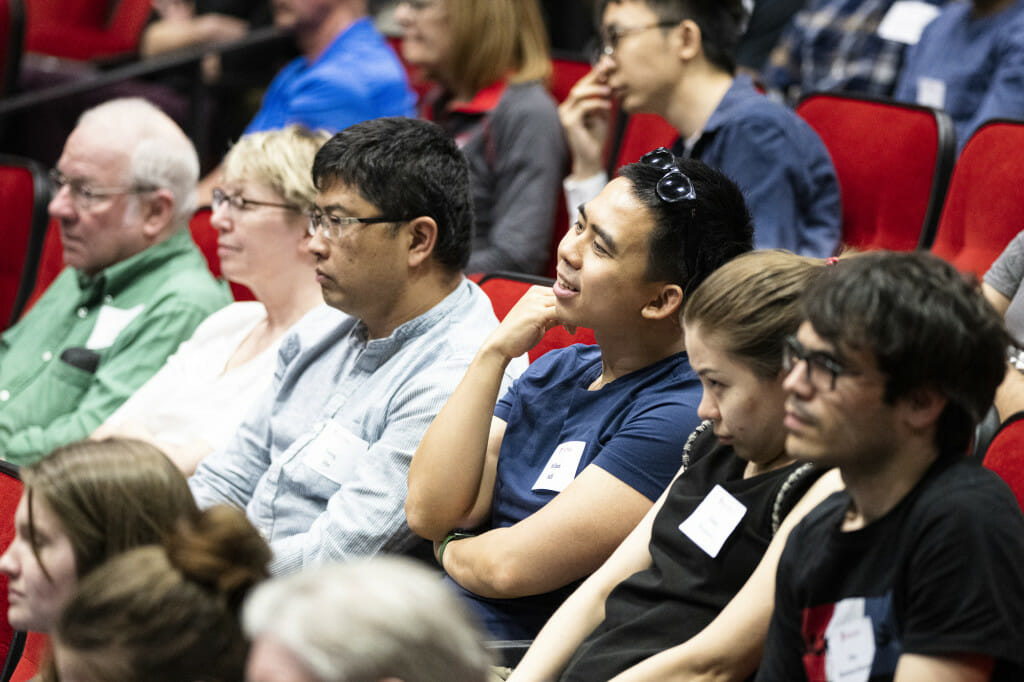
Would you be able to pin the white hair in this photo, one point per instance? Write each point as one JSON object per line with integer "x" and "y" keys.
{"x": 371, "y": 619}
{"x": 160, "y": 154}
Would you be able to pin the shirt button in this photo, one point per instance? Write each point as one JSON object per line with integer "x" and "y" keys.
{"x": 83, "y": 312}
{"x": 47, "y": 356}
{"x": 5, "y": 395}
{"x": 108, "y": 299}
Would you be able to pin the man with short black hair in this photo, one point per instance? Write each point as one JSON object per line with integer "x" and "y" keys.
{"x": 913, "y": 572}
{"x": 549, "y": 480}
{"x": 676, "y": 58}
{"x": 320, "y": 464}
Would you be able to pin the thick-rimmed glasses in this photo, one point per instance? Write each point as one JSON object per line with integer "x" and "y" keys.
{"x": 239, "y": 203}
{"x": 85, "y": 196}
{"x": 674, "y": 185}
{"x": 822, "y": 368}
{"x": 611, "y": 36}
{"x": 333, "y": 226}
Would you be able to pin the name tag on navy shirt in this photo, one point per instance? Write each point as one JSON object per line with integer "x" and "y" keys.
{"x": 561, "y": 468}
{"x": 714, "y": 520}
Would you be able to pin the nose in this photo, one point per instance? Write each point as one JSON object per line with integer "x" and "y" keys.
{"x": 61, "y": 206}
{"x": 221, "y": 218}
{"x": 568, "y": 249}
{"x": 795, "y": 382}
{"x": 604, "y": 66}
{"x": 708, "y": 408}
{"x": 317, "y": 244}
{"x": 8, "y": 562}
{"x": 403, "y": 14}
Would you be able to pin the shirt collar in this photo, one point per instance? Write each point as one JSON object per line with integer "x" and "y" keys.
{"x": 115, "y": 278}
{"x": 484, "y": 101}
{"x": 740, "y": 91}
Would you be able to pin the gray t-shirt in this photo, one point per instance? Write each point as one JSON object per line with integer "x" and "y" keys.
{"x": 1005, "y": 276}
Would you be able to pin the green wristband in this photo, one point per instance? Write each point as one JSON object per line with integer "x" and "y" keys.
{"x": 453, "y": 535}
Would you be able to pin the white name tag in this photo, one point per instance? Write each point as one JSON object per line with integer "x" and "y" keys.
{"x": 561, "y": 468}
{"x": 905, "y": 21}
{"x": 850, "y": 643}
{"x": 109, "y": 323}
{"x": 714, "y": 520}
{"x": 931, "y": 92}
{"x": 333, "y": 450}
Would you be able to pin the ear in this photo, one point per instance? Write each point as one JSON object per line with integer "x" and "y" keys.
{"x": 691, "y": 42}
{"x": 923, "y": 406}
{"x": 667, "y": 303}
{"x": 156, "y": 209}
{"x": 422, "y": 233}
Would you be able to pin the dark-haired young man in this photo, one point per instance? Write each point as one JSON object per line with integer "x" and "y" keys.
{"x": 676, "y": 58}
{"x": 550, "y": 480}
{"x": 912, "y": 573}
{"x": 320, "y": 465}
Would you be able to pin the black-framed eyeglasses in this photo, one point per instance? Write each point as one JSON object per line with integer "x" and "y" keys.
{"x": 333, "y": 226}
{"x": 84, "y": 195}
{"x": 674, "y": 185}
{"x": 611, "y": 35}
{"x": 219, "y": 197}
{"x": 822, "y": 368}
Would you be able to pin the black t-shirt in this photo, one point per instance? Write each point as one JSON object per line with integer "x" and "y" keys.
{"x": 684, "y": 588}
{"x": 941, "y": 574}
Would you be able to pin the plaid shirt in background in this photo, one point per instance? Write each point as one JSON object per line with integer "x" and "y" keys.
{"x": 834, "y": 45}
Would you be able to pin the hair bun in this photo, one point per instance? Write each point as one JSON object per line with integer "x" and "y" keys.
{"x": 221, "y": 550}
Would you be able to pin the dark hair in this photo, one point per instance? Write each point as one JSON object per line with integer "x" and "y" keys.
{"x": 925, "y": 324}
{"x": 409, "y": 168}
{"x": 692, "y": 238}
{"x": 171, "y": 612}
{"x": 721, "y": 24}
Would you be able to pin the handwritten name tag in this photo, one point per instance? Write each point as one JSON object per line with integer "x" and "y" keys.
{"x": 714, "y": 520}
{"x": 561, "y": 468}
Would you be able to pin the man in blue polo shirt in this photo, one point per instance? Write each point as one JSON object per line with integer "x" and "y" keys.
{"x": 676, "y": 58}
{"x": 346, "y": 73}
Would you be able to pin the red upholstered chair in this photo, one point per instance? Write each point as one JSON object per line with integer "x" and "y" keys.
{"x": 24, "y": 194}
{"x": 1005, "y": 455}
{"x": 85, "y": 29}
{"x": 505, "y": 288}
{"x": 985, "y": 206}
{"x": 565, "y": 71}
{"x": 635, "y": 135}
{"x": 893, "y": 162}
{"x": 36, "y": 647}
{"x": 205, "y": 236}
{"x": 51, "y": 262}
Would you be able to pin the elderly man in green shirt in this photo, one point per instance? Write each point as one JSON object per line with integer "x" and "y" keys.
{"x": 135, "y": 285}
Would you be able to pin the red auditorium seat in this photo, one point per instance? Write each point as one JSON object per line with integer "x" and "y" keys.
{"x": 985, "y": 206}
{"x": 505, "y": 288}
{"x": 565, "y": 71}
{"x": 85, "y": 29}
{"x": 51, "y": 262}
{"x": 1005, "y": 455}
{"x": 24, "y": 194}
{"x": 893, "y": 162}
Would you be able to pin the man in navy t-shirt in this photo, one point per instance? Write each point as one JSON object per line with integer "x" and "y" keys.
{"x": 551, "y": 480}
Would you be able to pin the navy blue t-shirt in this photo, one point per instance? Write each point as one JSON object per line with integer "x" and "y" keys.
{"x": 634, "y": 428}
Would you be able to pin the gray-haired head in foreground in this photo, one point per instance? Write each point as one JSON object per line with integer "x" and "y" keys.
{"x": 368, "y": 620}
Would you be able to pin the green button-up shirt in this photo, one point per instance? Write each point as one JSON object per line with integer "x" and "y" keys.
{"x": 124, "y": 321}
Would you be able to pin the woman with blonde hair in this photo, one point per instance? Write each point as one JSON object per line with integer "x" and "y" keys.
{"x": 165, "y": 612}
{"x": 491, "y": 62}
{"x": 193, "y": 405}
{"x": 84, "y": 503}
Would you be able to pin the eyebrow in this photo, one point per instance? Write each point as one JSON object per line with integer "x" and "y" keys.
{"x": 609, "y": 241}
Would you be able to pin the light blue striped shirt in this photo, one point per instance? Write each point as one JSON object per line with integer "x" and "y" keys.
{"x": 320, "y": 465}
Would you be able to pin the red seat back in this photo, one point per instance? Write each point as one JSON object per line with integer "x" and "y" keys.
{"x": 893, "y": 162}
{"x": 1005, "y": 455}
{"x": 24, "y": 194}
{"x": 85, "y": 29}
{"x": 985, "y": 205}
{"x": 506, "y": 288}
